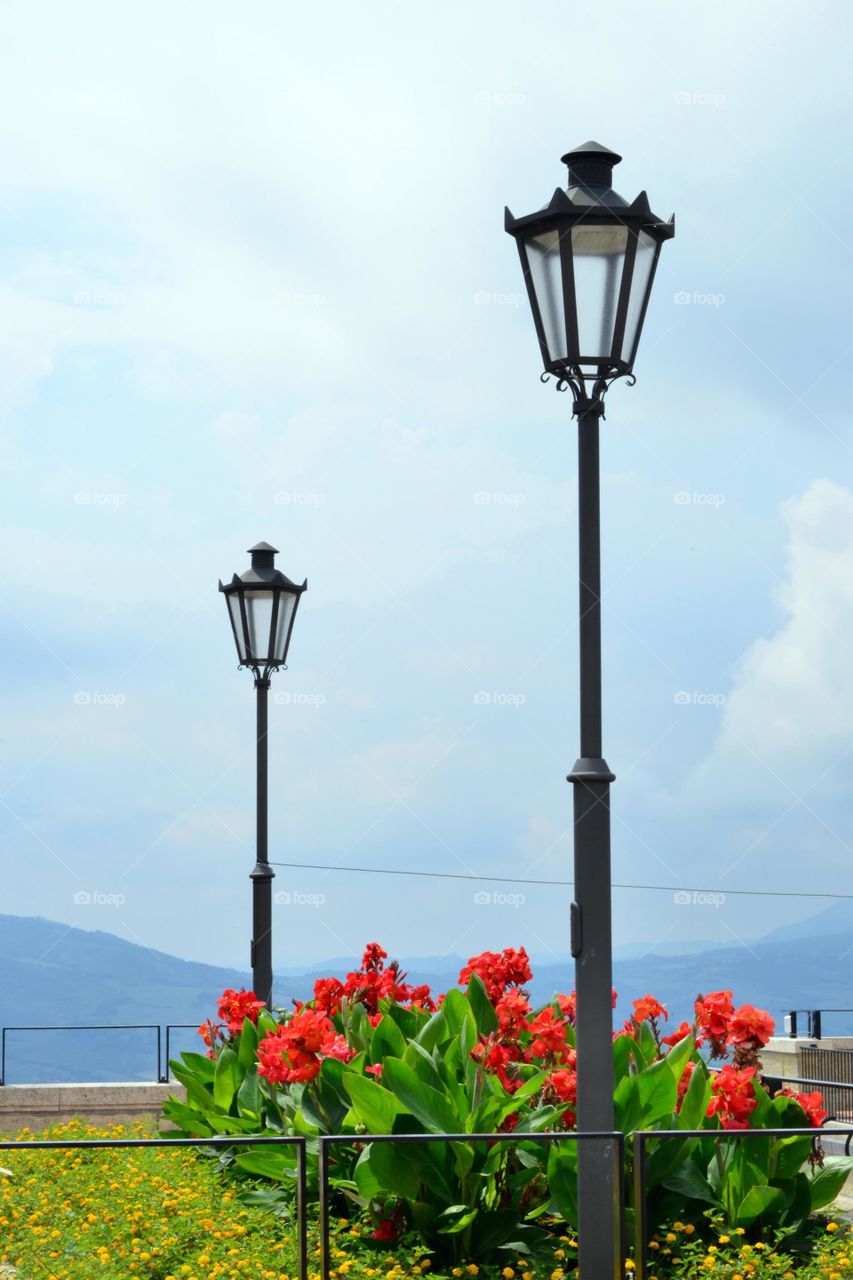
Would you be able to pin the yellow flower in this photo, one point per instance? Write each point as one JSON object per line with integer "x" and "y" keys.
{"x": 508, "y": 1273}
{"x": 724, "y": 1239}
{"x": 832, "y": 1226}
{"x": 689, "y": 1229}
{"x": 670, "y": 1238}
{"x": 629, "y": 1264}
{"x": 739, "y": 1231}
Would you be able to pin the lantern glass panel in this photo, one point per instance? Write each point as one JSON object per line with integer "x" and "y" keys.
{"x": 598, "y": 257}
{"x": 286, "y": 606}
{"x": 543, "y": 258}
{"x": 233, "y": 599}
{"x": 259, "y": 614}
{"x": 643, "y": 263}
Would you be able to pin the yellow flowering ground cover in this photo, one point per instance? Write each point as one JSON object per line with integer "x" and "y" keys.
{"x": 155, "y": 1214}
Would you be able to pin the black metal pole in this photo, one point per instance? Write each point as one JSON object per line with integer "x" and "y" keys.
{"x": 598, "y": 1188}
{"x": 262, "y": 874}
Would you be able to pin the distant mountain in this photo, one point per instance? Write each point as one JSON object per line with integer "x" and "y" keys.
{"x": 835, "y": 919}
{"x": 53, "y": 975}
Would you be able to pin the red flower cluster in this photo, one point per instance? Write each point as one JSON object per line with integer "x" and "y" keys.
{"x": 370, "y": 984}
{"x": 812, "y": 1104}
{"x": 734, "y": 1097}
{"x": 235, "y": 1006}
{"x": 548, "y": 1032}
{"x": 294, "y": 1052}
{"x": 675, "y": 1037}
{"x": 750, "y": 1028}
{"x": 497, "y": 971}
{"x": 721, "y": 1026}
{"x": 647, "y": 1009}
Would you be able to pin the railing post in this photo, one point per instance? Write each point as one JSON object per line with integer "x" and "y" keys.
{"x": 641, "y": 1227}
{"x": 323, "y": 1173}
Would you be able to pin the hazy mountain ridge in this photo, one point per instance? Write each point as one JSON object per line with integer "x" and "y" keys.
{"x": 51, "y": 975}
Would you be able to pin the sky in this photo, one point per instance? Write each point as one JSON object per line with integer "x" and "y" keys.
{"x": 255, "y": 285}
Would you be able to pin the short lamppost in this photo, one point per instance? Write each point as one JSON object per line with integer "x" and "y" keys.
{"x": 262, "y": 605}
{"x": 589, "y": 260}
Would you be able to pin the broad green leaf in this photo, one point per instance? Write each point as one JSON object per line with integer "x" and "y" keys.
{"x": 375, "y": 1106}
{"x": 393, "y": 1170}
{"x": 200, "y": 1064}
{"x": 481, "y": 1006}
{"x": 758, "y": 1200}
{"x": 197, "y": 1092}
{"x": 278, "y": 1165}
{"x": 226, "y": 1078}
{"x": 248, "y": 1048}
{"x": 563, "y": 1182}
{"x": 186, "y": 1119}
{"x": 790, "y": 1155}
{"x": 455, "y": 1219}
{"x": 432, "y": 1108}
{"x": 689, "y": 1182}
{"x": 658, "y": 1093}
{"x": 694, "y": 1104}
{"x": 249, "y": 1096}
{"x": 828, "y": 1181}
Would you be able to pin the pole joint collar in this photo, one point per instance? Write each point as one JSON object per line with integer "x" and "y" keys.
{"x": 262, "y": 871}
{"x": 591, "y": 769}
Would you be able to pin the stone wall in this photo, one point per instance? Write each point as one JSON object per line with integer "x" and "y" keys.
{"x": 35, "y": 1106}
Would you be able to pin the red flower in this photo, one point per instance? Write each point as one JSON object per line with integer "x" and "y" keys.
{"x": 568, "y": 1007}
{"x": 750, "y": 1028}
{"x": 497, "y": 1057}
{"x": 812, "y": 1104}
{"x": 290, "y": 1054}
{"x": 713, "y": 1013}
{"x": 337, "y": 1047}
{"x": 686, "y": 1075}
{"x": 734, "y": 1097}
{"x": 385, "y": 1231}
{"x": 680, "y": 1033}
{"x": 375, "y": 1070}
{"x": 235, "y": 1006}
{"x": 512, "y": 1009}
{"x": 565, "y": 1085}
{"x": 648, "y": 1009}
{"x": 210, "y": 1032}
{"x": 497, "y": 971}
{"x": 328, "y": 993}
{"x": 373, "y": 956}
{"x": 549, "y": 1036}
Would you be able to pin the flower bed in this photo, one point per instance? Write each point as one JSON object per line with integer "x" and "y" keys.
{"x": 376, "y": 1054}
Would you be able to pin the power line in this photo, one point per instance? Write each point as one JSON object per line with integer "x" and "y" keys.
{"x": 657, "y": 888}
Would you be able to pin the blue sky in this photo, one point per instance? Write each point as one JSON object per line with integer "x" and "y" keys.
{"x": 255, "y": 284}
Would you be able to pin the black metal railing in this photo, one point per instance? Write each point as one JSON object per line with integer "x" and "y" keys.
{"x": 814, "y": 1022}
{"x": 113, "y": 1144}
{"x": 157, "y": 1030}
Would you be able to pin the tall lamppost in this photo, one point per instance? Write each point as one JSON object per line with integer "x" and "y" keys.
{"x": 262, "y": 606}
{"x": 589, "y": 260}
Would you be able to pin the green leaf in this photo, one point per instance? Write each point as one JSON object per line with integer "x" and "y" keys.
{"x": 658, "y": 1093}
{"x": 563, "y": 1181}
{"x": 226, "y": 1078}
{"x": 678, "y": 1056}
{"x": 248, "y": 1047}
{"x": 789, "y": 1156}
{"x": 388, "y": 1040}
{"x": 481, "y": 1006}
{"x": 249, "y": 1096}
{"x": 828, "y": 1181}
{"x": 276, "y": 1165}
{"x": 392, "y": 1169}
{"x": 187, "y": 1120}
{"x": 375, "y": 1106}
{"x": 758, "y": 1200}
{"x": 197, "y": 1092}
{"x": 694, "y": 1104}
{"x": 455, "y": 1219}
{"x": 688, "y": 1181}
{"x": 429, "y": 1106}
{"x": 199, "y": 1064}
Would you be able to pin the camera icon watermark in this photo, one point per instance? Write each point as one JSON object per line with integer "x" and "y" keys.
{"x": 494, "y": 499}
{"x": 288, "y": 699}
{"x": 99, "y": 298}
{"x": 696, "y": 698}
{"x": 497, "y": 698}
{"x": 97, "y": 898}
{"x": 698, "y": 299}
{"x": 294, "y": 498}
{"x": 85, "y": 698}
{"x": 92, "y": 498}
{"x": 690, "y": 98}
{"x": 685, "y": 498}
{"x": 697, "y": 898}
{"x": 295, "y": 898}
{"x": 484, "y": 898}
{"x": 494, "y": 298}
